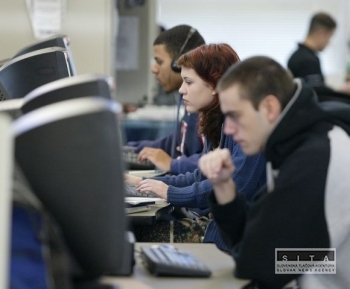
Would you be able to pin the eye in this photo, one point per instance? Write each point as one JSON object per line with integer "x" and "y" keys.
{"x": 232, "y": 116}
{"x": 158, "y": 61}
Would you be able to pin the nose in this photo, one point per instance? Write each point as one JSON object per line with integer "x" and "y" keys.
{"x": 154, "y": 68}
{"x": 230, "y": 127}
{"x": 182, "y": 89}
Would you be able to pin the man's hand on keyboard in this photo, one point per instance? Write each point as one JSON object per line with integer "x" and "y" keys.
{"x": 132, "y": 180}
{"x": 157, "y": 156}
{"x": 157, "y": 187}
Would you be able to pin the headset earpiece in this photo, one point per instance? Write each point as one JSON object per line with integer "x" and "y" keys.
{"x": 173, "y": 65}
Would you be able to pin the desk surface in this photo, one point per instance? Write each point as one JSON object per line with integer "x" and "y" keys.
{"x": 220, "y": 263}
{"x": 146, "y": 217}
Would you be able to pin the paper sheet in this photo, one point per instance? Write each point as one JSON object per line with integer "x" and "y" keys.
{"x": 128, "y": 43}
{"x": 138, "y": 200}
{"x": 46, "y": 17}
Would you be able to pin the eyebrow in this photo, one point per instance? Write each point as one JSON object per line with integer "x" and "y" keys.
{"x": 231, "y": 114}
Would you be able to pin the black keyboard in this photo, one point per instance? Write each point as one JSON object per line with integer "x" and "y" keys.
{"x": 130, "y": 191}
{"x": 130, "y": 159}
{"x": 166, "y": 260}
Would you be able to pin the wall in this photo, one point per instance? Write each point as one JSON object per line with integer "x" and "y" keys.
{"x": 90, "y": 25}
{"x": 264, "y": 27}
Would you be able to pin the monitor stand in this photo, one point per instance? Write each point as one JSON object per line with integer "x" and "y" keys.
{"x": 126, "y": 270}
{"x": 129, "y": 258}
{"x": 95, "y": 285}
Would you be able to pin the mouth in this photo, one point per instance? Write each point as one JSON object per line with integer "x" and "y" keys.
{"x": 185, "y": 101}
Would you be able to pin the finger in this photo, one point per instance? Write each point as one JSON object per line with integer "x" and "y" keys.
{"x": 142, "y": 155}
{"x": 212, "y": 165}
{"x": 143, "y": 187}
{"x": 226, "y": 159}
{"x": 145, "y": 182}
{"x": 204, "y": 165}
{"x": 146, "y": 188}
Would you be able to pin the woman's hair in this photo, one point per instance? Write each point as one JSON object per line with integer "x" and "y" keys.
{"x": 210, "y": 61}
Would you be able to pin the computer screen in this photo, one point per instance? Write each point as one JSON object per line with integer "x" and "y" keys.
{"x": 62, "y": 41}
{"x": 68, "y": 88}
{"x": 24, "y": 73}
{"x": 70, "y": 153}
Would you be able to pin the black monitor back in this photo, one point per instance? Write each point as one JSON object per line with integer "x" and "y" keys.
{"x": 70, "y": 152}
{"x": 68, "y": 88}
{"x": 22, "y": 74}
{"x": 62, "y": 41}
{"x": 327, "y": 94}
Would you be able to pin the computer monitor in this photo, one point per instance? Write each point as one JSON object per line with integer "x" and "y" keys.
{"x": 62, "y": 89}
{"x": 3, "y": 61}
{"x": 69, "y": 88}
{"x": 24, "y": 73}
{"x": 11, "y": 107}
{"x": 70, "y": 153}
{"x": 62, "y": 41}
{"x": 6, "y": 164}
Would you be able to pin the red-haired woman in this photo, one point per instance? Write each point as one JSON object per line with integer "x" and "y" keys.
{"x": 201, "y": 69}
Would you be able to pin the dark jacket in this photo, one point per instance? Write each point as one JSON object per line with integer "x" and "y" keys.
{"x": 306, "y": 201}
{"x": 304, "y": 63}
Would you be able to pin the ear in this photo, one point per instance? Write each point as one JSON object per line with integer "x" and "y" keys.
{"x": 271, "y": 107}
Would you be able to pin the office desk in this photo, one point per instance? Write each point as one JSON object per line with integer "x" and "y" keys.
{"x": 147, "y": 217}
{"x": 221, "y": 265}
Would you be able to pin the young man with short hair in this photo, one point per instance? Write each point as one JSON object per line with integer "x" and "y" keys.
{"x": 304, "y": 62}
{"x": 178, "y": 152}
{"x": 307, "y": 149}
